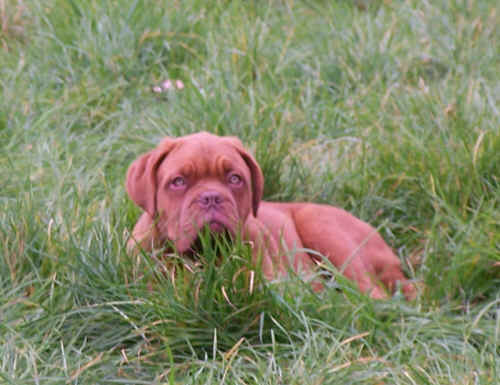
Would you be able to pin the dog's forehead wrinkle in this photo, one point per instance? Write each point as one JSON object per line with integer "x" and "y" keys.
{"x": 200, "y": 158}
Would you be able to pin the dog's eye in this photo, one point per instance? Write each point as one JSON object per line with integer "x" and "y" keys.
{"x": 235, "y": 179}
{"x": 178, "y": 182}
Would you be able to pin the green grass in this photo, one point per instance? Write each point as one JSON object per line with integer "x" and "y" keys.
{"x": 389, "y": 109}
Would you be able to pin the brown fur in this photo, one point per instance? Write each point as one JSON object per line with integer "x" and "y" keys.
{"x": 188, "y": 182}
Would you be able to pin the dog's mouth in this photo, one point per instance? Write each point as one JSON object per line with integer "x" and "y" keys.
{"x": 213, "y": 236}
{"x": 207, "y": 228}
{"x": 217, "y": 227}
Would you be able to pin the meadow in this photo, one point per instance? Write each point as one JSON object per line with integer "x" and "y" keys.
{"x": 389, "y": 109}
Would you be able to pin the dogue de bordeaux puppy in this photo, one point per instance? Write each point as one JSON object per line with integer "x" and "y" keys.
{"x": 204, "y": 180}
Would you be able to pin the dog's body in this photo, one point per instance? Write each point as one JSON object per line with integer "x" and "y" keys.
{"x": 205, "y": 180}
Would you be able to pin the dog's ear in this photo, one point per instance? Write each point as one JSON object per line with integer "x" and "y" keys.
{"x": 141, "y": 183}
{"x": 255, "y": 172}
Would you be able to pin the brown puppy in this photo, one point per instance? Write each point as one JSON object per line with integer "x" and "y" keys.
{"x": 202, "y": 180}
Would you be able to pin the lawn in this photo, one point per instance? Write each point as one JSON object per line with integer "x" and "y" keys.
{"x": 389, "y": 109}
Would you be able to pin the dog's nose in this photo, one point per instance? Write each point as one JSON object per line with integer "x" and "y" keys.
{"x": 209, "y": 199}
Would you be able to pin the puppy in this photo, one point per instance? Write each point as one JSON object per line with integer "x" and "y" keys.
{"x": 203, "y": 180}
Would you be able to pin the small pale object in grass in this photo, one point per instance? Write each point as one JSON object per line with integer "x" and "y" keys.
{"x": 168, "y": 85}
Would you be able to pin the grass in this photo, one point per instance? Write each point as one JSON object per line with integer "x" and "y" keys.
{"x": 386, "y": 108}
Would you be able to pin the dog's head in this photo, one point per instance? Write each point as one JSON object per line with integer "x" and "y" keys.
{"x": 194, "y": 181}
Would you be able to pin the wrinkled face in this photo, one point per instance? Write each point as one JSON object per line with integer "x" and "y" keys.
{"x": 204, "y": 183}
{"x": 194, "y": 181}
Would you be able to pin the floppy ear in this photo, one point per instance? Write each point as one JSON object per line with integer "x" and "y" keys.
{"x": 141, "y": 181}
{"x": 255, "y": 172}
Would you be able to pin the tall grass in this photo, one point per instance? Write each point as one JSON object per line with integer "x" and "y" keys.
{"x": 386, "y": 108}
